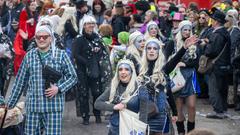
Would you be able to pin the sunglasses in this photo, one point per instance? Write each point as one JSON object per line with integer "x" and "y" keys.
{"x": 44, "y": 37}
{"x": 202, "y": 18}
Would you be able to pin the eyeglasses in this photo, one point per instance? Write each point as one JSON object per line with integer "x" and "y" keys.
{"x": 44, "y": 37}
{"x": 90, "y": 23}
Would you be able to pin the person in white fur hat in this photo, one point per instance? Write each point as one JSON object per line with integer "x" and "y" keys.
{"x": 44, "y": 100}
{"x": 93, "y": 67}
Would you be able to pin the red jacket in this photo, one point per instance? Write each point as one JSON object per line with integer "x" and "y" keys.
{"x": 18, "y": 42}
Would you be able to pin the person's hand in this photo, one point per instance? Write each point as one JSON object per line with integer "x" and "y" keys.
{"x": 31, "y": 21}
{"x": 52, "y": 91}
{"x": 23, "y": 34}
{"x": 190, "y": 41}
{"x": 174, "y": 119}
{"x": 181, "y": 64}
{"x": 119, "y": 106}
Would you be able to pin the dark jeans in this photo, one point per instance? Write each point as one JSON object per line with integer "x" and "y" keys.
{"x": 218, "y": 91}
{"x": 82, "y": 98}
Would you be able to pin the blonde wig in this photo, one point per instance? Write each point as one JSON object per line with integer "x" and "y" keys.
{"x": 180, "y": 43}
{"x": 130, "y": 87}
{"x": 132, "y": 48}
{"x": 68, "y": 14}
{"x": 157, "y": 76}
{"x": 179, "y": 38}
{"x": 147, "y": 35}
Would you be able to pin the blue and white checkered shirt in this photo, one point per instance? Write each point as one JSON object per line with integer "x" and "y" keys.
{"x": 30, "y": 73}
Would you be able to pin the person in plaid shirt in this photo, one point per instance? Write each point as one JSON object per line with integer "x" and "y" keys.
{"x": 44, "y": 107}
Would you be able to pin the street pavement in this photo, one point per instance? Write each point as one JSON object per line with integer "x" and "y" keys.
{"x": 72, "y": 124}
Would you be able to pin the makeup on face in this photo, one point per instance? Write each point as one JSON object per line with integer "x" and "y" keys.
{"x": 124, "y": 72}
{"x": 139, "y": 41}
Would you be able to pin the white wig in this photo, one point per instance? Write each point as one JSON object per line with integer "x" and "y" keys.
{"x": 84, "y": 20}
{"x": 157, "y": 76}
{"x": 131, "y": 85}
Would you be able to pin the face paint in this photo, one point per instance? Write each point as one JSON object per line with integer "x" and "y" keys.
{"x": 153, "y": 30}
{"x": 152, "y": 50}
{"x": 139, "y": 42}
{"x": 124, "y": 72}
{"x": 185, "y": 31}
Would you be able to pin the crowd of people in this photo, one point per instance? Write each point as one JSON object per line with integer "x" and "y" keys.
{"x": 126, "y": 54}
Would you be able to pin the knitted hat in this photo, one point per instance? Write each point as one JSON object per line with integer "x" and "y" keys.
{"x": 123, "y": 37}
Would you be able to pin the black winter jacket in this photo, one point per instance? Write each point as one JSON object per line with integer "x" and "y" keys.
{"x": 218, "y": 39}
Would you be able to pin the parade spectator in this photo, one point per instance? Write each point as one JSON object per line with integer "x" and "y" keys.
{"x": 105, "y": 30}
{"x": 15, "y": 14}
{"x": 98, "y": 8}
{"x": 107, "y": 16}
{"x": 45, "y": 99}
{"x": 119, "y": 22}
{"x": 4, "y": 17}
{"x": 135, "y": 23}
{"x": 149, "y": 16}
{"x": 218, "y": 82}
{"x": 93, "y": 67}
{"x": 27, "y": 25}
{"x": 68, "y": 29}
{"x": 120, "y": 96}
{"x": 6, "y": 61}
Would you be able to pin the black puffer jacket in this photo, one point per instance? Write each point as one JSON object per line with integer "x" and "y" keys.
{"x": 218, "y": 39}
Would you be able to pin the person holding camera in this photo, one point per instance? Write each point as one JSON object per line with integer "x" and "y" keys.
{"x": 49, "y": 73}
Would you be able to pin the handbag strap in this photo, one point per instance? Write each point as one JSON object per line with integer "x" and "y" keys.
{"x": 215, "y": 59}
{"x": 3, "y": 120}
{"x": 40, "y": 58}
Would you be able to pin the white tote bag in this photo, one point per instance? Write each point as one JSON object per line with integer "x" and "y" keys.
{"x": 178, "y": 81}
{"x": 130, "y": 124}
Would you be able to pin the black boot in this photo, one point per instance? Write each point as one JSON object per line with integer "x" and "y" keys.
{"x": 180, "y": 127}
{"x": 190, "y": 126}
{"x": 98, "y": 119}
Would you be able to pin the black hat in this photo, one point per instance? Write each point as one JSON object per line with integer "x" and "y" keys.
{"x": 218, "y": 15}
{"x": 119, "y": 4}
{"x": 79, "y": 2}
{"x": 142, "y": 5}
{"x": 172, "y": 8}
{"x": 227, "y": 1}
